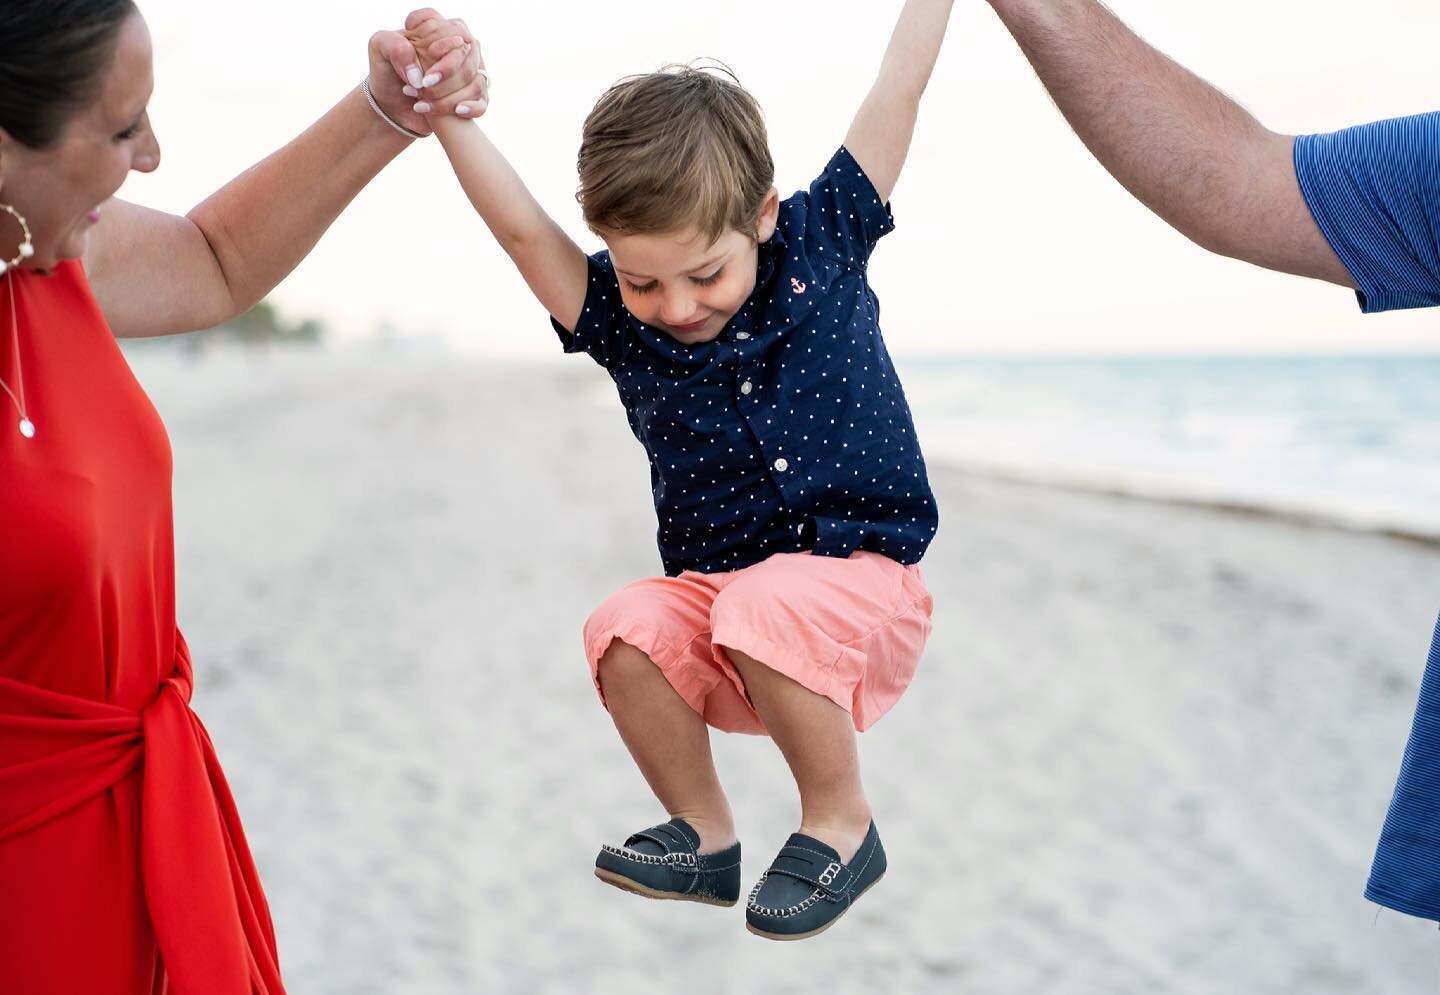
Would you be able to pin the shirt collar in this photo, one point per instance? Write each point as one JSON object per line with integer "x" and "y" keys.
{"x": 770, "y": 255}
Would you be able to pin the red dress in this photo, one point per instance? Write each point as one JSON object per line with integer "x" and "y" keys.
{"x": 123, "y": 867}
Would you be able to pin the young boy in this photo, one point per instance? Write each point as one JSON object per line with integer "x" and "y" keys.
{"x": 792, "y": 497}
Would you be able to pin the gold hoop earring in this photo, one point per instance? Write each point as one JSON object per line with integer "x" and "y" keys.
{"x": 27, "y": 247}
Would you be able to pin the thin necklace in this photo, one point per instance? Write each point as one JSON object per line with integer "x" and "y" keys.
{"x": 27, "y": 427}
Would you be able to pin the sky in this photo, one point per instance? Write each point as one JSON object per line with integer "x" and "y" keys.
{"x": 1010, "y": 239}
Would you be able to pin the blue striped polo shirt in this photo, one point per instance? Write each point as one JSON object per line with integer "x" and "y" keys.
{"x": 1375, "y": 192}
{"x": 789, "y": 431}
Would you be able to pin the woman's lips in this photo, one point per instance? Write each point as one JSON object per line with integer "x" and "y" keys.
{"x": 694, "y": 326}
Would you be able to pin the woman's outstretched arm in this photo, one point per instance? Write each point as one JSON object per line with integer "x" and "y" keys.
{"x": 157, "y": 274}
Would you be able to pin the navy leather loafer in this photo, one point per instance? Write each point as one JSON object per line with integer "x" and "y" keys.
{"x": 665, "y": 862}
{"x": 807, "y": 888}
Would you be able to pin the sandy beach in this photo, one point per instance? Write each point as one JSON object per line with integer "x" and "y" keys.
{"x": 1158, "y": 740}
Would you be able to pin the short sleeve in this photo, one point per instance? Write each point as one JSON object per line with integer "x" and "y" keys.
{"x": 846, "y": 214}
{"x": 1374, "y": 190}
{"x": 602, "y": 330}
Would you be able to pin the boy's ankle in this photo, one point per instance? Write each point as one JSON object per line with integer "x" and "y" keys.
{"x": 843, "y": 831}
{"x": 715, "y": 834}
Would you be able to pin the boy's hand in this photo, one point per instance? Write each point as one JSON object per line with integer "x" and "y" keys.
{"x": 446, "y": 52}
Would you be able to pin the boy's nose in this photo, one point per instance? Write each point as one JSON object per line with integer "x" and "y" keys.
{"x": 676, "y": 309}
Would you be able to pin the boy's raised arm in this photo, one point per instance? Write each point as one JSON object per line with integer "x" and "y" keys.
{"x": 879, "y": 137}
{"x": 549, "y": 260}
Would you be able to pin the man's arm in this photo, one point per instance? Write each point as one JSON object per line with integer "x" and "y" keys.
{"x": 1184, "y": 149}
{"x": 879, "y": 137}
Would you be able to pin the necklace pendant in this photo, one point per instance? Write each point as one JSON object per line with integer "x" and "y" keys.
{"x": 27, "y": 428}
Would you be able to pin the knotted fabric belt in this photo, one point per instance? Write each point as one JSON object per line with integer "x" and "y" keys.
{"x": 201, "y": 888}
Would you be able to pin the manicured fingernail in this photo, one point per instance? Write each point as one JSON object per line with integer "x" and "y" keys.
{"x": 423, "y": 108}
{"x": 413, "y": 74}
{"x": 463, "y": 110}
{"x": 409, "y": 91}
{"x": 430, "y": 80}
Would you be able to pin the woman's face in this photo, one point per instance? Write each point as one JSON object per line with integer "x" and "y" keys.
{"x": 60, "y": 189}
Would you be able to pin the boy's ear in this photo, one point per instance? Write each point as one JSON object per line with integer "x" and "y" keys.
{"x": 768, "y": 216}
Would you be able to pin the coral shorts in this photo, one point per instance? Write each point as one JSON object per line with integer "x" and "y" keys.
{"x": 849, "y": 629}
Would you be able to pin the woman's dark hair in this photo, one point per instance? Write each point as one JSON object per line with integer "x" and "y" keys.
{"x": 51, "y": 54}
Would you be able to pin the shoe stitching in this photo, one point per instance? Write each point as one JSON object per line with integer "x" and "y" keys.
{"x": 683, "y": 860}
{"x": 806, "y": 849}
{"x": 676, "y": 830}
{"x": 679, "y": 861}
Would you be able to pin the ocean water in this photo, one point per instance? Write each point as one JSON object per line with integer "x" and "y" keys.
{"x": 1344, "y": 439}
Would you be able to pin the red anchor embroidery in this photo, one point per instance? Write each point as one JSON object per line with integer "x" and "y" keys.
{"x": 796, "y": 285}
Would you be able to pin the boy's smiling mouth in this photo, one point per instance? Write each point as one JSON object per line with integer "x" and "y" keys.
{"x": 691, "y": 328}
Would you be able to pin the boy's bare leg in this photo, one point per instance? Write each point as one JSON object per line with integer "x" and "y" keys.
{"x": 669, "y": 742}
{"x": 817, "y": 738}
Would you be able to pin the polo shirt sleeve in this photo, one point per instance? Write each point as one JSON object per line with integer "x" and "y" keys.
{"x": 1375, "y": 193}
{"x": 846, "y": 214}
{"x": 602, "y": 330}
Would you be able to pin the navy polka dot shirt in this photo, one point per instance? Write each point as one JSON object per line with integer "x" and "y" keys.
{"x": 790, "y": 430}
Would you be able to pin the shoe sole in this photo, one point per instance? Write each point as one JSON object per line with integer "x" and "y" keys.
{"x": 635, "y": 888}
{"x": 815, "y": 932}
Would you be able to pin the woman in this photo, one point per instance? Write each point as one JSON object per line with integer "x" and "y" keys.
{"x": 123, "y": 867}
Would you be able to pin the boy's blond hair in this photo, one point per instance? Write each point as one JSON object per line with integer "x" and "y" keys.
{"x": 665, "y": 151}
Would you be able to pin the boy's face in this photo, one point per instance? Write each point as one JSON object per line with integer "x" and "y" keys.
{"x": 685, "y": 286}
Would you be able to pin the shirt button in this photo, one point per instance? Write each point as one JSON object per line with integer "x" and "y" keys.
{"x": 781, "y": 465}
{"x": 746, "y": 387}
{"x": 742, "y": 336}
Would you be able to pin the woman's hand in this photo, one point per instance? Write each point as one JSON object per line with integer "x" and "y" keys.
{"x": 446, "y": 49}
{"x": 447, "y": 74}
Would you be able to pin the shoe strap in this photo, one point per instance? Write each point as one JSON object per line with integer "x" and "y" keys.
{"x": 671, "y": 838}
{"x": 813, "y": 868}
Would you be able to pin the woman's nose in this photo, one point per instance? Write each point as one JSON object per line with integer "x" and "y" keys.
{"x": 147, "y": 156}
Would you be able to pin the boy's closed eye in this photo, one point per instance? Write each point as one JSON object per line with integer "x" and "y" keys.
{"x": 699, "y": 281}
